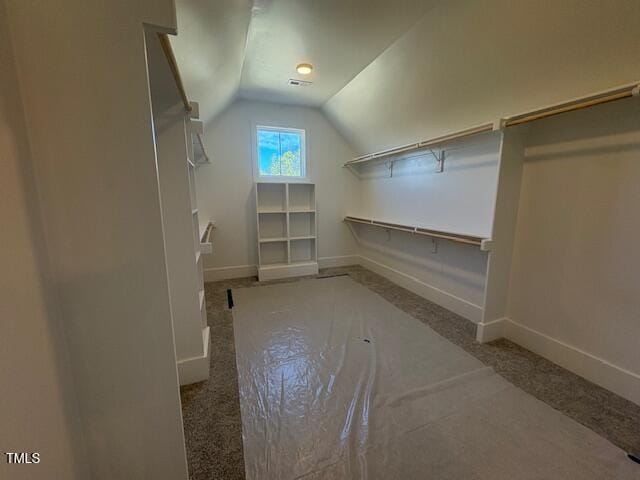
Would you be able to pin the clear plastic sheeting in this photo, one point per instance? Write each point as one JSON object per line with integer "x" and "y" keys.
{"x": 337, "y": 383}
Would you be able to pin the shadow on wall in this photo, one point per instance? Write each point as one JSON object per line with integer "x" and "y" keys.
{"x": 35, "y": 362}
{"x": 252, "y": 226}
{"x": 456, "y": 269}
{"x": 589, "y": 134}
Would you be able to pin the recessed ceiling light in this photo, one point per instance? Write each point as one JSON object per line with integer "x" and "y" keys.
{"x": 304, "y": 68}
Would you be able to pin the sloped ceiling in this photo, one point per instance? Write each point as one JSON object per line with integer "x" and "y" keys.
{"x": 210, "y": 48}
{"x": 395, "y": 72}
{"x": 339, "y": 37}
{"x": 251, "y": 48}
{"x": 468, "y": 62}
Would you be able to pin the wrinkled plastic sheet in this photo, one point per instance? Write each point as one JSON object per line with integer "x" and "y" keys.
{"x": 337, "y": 383}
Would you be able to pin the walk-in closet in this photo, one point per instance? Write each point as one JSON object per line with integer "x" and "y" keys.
{"x": 319, "y": 239}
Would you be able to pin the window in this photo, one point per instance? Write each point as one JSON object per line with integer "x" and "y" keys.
{"x": 281, "y": 152}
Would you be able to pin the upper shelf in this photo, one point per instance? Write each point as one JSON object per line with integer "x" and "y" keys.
{"x": 192, "y": 108}
{"x": 488, "y": 127}
{"x": 617, "y": 93}
{"x": 206, "y": 237}
{"x": 483, "y": 243}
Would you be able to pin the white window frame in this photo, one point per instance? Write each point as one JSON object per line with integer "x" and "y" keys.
{"x": 304, "y": 162}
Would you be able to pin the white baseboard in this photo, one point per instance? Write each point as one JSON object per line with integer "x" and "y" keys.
{"x": 458, "y": 305}
{"x": 342, "y": 261}
{"x": 226, "y": 273}
{"x": 214, "y": 274}
{"x": 493, "y": 330}
{"x": 597, "y": 370}
{"x": 275, "y": 272}
{"x": 451, "y": 302}
{"x": 196, "y": 369}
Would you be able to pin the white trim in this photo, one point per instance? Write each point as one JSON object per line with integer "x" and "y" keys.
{"x": 341, "y": 261}
{"x": 451, "y": 302}
{"x": 215, "y": 274}
{"x": 274, "y": 272}
{"x": 493, "y": 330}
{"x": 196, "y": 369}
{"x": 226, "y": 273}
{"x": 255, "y": 156}
{"x": 595, "y": 369}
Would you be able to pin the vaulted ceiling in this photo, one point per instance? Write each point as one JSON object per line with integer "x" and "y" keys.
{"x": 251, "y": 48}
{"x": 389, "y": 72}
{"x": 339, "y": 37}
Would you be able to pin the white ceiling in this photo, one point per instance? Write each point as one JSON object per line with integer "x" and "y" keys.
{"x": 468, "y": 62}
{"x": 339, "y": 37}
{"x": 430, "y": 66}
{"x": 209, "y": 49}
{"x": 250, "y": 48}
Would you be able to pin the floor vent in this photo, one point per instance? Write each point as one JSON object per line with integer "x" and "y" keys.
{"x": 229, "y": 298}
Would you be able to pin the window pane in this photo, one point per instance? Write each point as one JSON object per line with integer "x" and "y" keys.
{"x": 280, "y": 153}
{"x": 290, "y": 154}
{"x": 269, "y": 152}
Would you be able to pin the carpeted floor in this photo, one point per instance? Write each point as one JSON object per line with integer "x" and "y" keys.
{"x": 213, "y": 427}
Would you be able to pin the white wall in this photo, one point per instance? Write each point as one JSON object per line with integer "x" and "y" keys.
{"x": 225, "y": 188}
{"x": 38, "y": 411}
{"x": 210, "y": 48}
{"x": 83, "y": 75}
{"x": 460, "y": 200}
{"x": 574, "y": 276}
{"x": 468, "y": 62}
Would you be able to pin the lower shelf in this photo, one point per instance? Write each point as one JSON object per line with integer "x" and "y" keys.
{"x": 283, "y": 270}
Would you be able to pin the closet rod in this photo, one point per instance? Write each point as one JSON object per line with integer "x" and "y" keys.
{"x": 617, "y": 93}
{"x": 173, "y": 65}
{"x": 483, "y": 243}
{"x": 487, "y": 127}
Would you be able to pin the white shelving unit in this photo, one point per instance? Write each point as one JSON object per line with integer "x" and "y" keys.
{"x": 176, "y": 136}
{"x": 196, "y": 156}
{"x": 287, "y": 230}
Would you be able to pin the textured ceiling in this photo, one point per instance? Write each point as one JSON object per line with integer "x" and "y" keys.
{"x": 251, "y": 48}
{"x": 339, "y": 37}
{"x": 209, "y": 49}
{"x": 430, "y": 66}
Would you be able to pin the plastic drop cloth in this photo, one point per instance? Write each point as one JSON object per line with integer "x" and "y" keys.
{"x": 337, "y": 383}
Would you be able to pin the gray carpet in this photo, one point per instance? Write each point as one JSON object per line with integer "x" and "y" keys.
{"x": 213, "y": 428}
{"x": 336, "y": 382}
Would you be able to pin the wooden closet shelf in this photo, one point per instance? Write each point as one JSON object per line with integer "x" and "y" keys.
{"x": 483, "y": 243}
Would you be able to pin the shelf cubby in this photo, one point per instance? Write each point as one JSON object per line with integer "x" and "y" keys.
{"x": 274, "y": 253}
{"x": 302, "y": 250}
{"x": 302, "y": 197}
{"x": 272, "y": 225}
{"x": 271, "y": 197}
{"x": 302, "y": 224}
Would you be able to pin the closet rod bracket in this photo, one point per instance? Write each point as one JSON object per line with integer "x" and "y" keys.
{"x": 390, "y": 163}
{"x": 440, "y": 160}
{"x": 636, "y": 91}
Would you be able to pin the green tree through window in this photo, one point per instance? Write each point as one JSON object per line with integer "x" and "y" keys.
{"x": 280, "y": 152}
